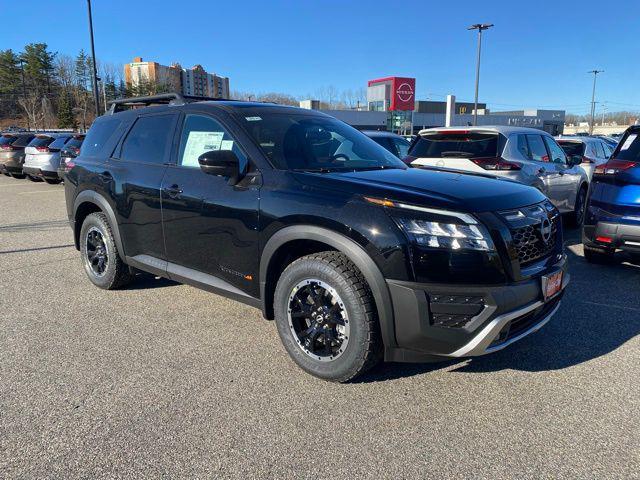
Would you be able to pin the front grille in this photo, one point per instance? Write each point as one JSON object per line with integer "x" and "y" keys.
{"x": 529, "y": 244}
{"x": 534, "y": 231}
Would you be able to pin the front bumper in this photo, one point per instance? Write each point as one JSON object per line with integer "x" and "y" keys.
{"x": 480, "y": 319}
{"x": 622, "y": 236}
{"x": 37, "y": 172}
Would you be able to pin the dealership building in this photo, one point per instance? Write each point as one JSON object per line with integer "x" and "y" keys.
{"x": 392, "y": 106}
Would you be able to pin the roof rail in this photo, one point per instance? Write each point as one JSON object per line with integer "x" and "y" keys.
{"x": 173, "y": 98}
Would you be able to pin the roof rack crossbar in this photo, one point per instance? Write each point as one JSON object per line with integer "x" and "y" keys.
{"x": 173, "y": 98}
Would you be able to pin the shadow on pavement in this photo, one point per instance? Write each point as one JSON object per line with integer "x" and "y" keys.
{"x": 599, "y": 313}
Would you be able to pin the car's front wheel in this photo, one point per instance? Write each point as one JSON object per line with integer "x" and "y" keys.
{"x": 99, "y": 252}
{"x": 326, "y": 317}
{"x": 580, "y": 207}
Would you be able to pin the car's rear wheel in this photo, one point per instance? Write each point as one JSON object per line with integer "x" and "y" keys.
{"x": 34, "y": 179}
{"x": 18, "y": 175}
{"x": 326, "y": 317}
{"x": 579, "y": 209}
{"x": 52, "y": 181}
{"x": 99, "y": 253}
{"x": 599, "y": 256}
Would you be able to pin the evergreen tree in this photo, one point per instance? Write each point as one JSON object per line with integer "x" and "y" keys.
{"x": 10, "y": 81}
{"x": 38, "y": 66}
{"x": 66, "y": 118}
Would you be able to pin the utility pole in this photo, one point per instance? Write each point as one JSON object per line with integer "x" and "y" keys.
{"x": 24, "y": 92}
{"x": 94, "y": 73}
{"x": 593, "y": 99}
{"x": 480, "y": 27}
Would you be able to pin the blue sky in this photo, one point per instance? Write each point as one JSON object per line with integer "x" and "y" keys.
{"x": 537, "y": 55}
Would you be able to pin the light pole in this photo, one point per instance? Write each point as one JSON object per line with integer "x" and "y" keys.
{"x": 593, "y": 99}
{"x": 94, "y": 73}
{"x": 480, "y": 27}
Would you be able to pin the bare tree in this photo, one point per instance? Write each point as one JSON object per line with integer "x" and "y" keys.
{"x": 32, "y": 106}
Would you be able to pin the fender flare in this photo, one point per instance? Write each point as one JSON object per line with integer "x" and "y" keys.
{"x": 356, "y": 254}
{"x": 101, "y": 202}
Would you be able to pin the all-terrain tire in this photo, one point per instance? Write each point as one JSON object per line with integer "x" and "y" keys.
{"x": 364, "y": 348}
{"x": 116, "y": 273}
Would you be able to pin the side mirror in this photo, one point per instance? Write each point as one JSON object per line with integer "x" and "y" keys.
{"x": 574, "y": 160}
{"x": 222, "y": 163}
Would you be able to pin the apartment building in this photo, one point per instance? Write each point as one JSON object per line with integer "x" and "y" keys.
{"x": 191, "y": 81}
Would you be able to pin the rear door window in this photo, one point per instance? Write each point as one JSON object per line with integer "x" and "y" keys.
{"x": 456, "y": 144}
{"x": 23, "y": 141}
{"x": 148, "y": 139}
{"x": 59, "y": 143}
{"x": 538, "y": 150}
{"x": 523, "y": 146}
{"x": 557, "y": 154}
{"x": 402, "y": 146}
{"x": 599, "y": 150}
{"x": 629, "y": 147}
{"x": 386, "y": 143}
{"x": 75, "y": 141}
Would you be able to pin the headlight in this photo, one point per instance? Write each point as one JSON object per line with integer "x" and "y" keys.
{"x": 437, "y": 228}
{"x": 452, "y": 236}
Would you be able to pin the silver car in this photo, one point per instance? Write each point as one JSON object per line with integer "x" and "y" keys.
{"x": 592, "y": 151}
{"x": 42, "y": 157}
{"x": 525, "y": 155}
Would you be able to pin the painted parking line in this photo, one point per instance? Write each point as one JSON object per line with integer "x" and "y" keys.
{"x": 40, "y": 191}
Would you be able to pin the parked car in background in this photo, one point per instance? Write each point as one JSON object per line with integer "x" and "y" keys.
{"x": 70, "y": 151}
{"x": 612, "y": 142}
{"x": 12, "y": 152}
{"x": 612, "y": 220}
{"x": 392, "y": 142}
{"x": 526, "y": 155}
{"x": 592, "y": 151}
{"x": 43, "y": 156}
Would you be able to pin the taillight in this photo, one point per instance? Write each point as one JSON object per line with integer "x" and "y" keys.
{"x": 43, "y": 149}
{"x": 495, "y": 163}
{"x": 8, "y": 147}
{"x": 614, "y": 166}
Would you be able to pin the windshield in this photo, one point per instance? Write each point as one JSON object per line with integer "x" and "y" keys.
{"x": 315, "y": 143}
{"x": 456, "y": 144}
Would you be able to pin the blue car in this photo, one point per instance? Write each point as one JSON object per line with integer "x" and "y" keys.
{"x": 612, "y": 221}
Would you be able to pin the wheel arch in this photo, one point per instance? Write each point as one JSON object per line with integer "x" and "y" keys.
{"x": 88, "y": 202}
{"x": 282, "y": 239}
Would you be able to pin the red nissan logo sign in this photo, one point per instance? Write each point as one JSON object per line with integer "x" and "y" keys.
{"x": 404, "y": 92}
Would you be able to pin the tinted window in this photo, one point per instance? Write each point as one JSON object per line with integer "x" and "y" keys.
{"x": 572, "y": 148}
{"x": 310, "y": 142}
{"x": 59, "y": 142}
{"x": 147, "y": 140}
{"x": 468, "y": 144}
{"x": 23, "y": 140}
{"x": 629, "y": 148}
{"x": 523, "y": 146}
{"x": 599, "y": 150}
{"x": 98, "y": 135}
{"x": 402, "y": 146}
{"x": 41, "y": 142}
{"x": 385, "y": 143}
{"x": 202, "y": 134}
{"x": 75, "y": 141}
{"x": 537, "y": 148}
{"x": 608, "y": 150}
{"x": 557, "y": 154}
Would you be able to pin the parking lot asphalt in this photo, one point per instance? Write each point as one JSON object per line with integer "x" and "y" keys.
{"x": 162, "y": 379}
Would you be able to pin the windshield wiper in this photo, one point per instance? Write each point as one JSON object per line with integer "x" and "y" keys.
{"x": 456, "y": 154}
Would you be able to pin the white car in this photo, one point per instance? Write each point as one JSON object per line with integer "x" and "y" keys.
{"x": 42, "y": 156}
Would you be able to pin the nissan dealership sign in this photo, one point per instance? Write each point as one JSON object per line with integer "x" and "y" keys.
{"x": 400, "y": 92}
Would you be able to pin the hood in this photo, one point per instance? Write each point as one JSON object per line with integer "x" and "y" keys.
{"x": 434, "y": 188}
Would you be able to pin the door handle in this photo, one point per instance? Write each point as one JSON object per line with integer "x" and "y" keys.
{"x": 106, "y": 177}
{"x": 173, "y": 191}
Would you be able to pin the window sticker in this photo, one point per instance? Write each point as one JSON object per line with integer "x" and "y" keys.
{"x": 253, "y": 119}
{"x": 226, "y": 145}
{"x": 199, "y": 143}
{"x": 628, "y": 142}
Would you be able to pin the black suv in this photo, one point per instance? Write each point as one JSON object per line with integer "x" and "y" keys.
{"x": 357, "y": 257}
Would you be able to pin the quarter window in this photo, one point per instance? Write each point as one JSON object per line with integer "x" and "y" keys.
{"x": 538, "y": 152}
{"x": 201, "y": 134}
{"x": 599, "y": 150}
{"x": 147, "y": 140}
